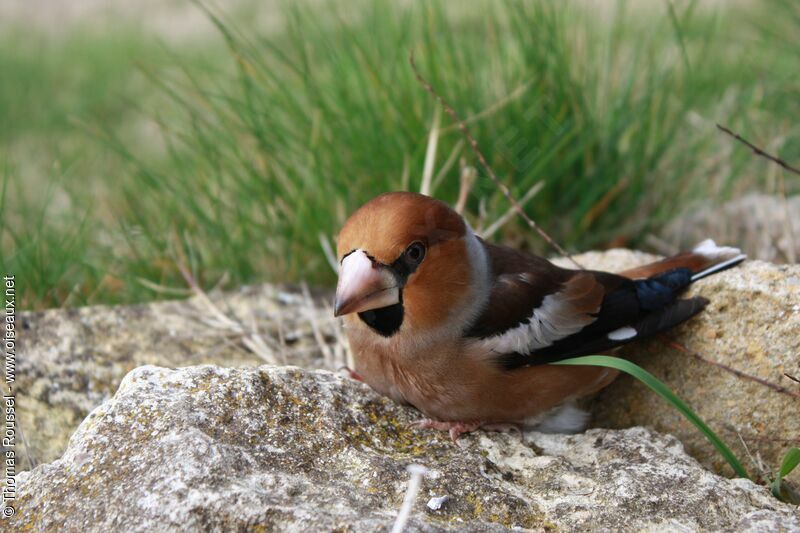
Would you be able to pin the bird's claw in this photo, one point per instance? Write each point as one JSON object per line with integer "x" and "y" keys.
{"x": 503, "y": 428}
{"x": 352, "y": 374}
{"x": 455, "y": 429}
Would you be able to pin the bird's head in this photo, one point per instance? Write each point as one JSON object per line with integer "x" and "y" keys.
{"x": 407, "y": 260}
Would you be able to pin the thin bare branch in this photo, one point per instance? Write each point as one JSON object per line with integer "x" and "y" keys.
{"x": 500, "y": 222}
{"x": 513, "y": 95}
{"x": 759, "y": 438}
{"x": 738, "y": 373}
{"x": 791, "y": 377}
{"x": 474, "y": 145}
{"x": 759, "y": 152}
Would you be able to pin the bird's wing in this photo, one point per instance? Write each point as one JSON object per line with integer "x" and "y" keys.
{"x": 540, "y": 313}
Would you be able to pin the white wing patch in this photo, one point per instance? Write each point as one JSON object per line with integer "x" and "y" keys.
{"x": 622, "y": 334}
{"x": 554, "y": 319}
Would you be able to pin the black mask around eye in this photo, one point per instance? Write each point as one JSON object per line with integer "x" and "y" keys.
{"x": 409, "y": 260}
{"x": 387, "y": 320}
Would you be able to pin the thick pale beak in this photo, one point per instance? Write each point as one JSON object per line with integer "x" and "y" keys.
{"x": 364, "y": 286}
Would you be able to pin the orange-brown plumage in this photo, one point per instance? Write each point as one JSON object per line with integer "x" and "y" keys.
{"x": 463, "y": 330}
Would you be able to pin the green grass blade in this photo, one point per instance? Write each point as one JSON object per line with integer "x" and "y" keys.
{"x": 662, "y": 390}
{"x": 790, "y": 461}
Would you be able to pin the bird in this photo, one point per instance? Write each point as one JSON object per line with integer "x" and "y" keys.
{"x": 466, "y": 331}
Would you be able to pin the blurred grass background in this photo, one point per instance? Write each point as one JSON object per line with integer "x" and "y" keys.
{"x": 128, "y": 148}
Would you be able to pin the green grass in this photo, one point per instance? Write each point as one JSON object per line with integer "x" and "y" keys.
{"x": 59, "y": 184}
{"x": 123, "y": 158}
{"x": 670, "y": 397}
{"x": 789, "y": 463}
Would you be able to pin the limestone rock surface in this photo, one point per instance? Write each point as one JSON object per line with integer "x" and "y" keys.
{"x": 279, "y": 448}
{"x": 72, "y": 360}
{"x": 751, "y": 325}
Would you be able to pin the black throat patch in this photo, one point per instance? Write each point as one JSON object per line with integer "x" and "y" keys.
{"x": 385, "y": 321}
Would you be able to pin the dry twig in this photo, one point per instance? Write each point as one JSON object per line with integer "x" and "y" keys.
{"x": 513, "y": 95}
{"x": 416, "y": 471}
{"x": 791, "y": 377}
{"x": 759, "y": 152}
{"x": 250, "y": 338}
{"x": 735, "y": 372}
{"x": 758, "y": 464}
{"x": 474, "y": 145}
{"x": 310, "y": 309}
{"x": 500, "y": 222}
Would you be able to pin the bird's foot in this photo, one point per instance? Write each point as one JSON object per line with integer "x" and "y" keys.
{"x": 456, "y": 429}
{"x": 352, "y": 374}
{"x": 503, "y": 428}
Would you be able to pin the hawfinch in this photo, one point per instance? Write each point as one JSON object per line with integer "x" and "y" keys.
{"x": 463, "y": 329}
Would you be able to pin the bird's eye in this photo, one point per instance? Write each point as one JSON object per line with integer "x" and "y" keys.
{"x": 415, "y": 253}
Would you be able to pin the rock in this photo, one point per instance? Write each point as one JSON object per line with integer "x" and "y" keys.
{"x": 279, "y": 448}
{"x": 752, "y": 325}
{"x": 72, "y": 360}
{"x": 765, "y": 227}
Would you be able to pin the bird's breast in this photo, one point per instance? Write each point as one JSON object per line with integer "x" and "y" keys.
{"x": 451, "y": 381}
{"x": 407, "y": 370}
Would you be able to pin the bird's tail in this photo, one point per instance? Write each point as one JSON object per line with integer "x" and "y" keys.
{"x": 703, "y": 260}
